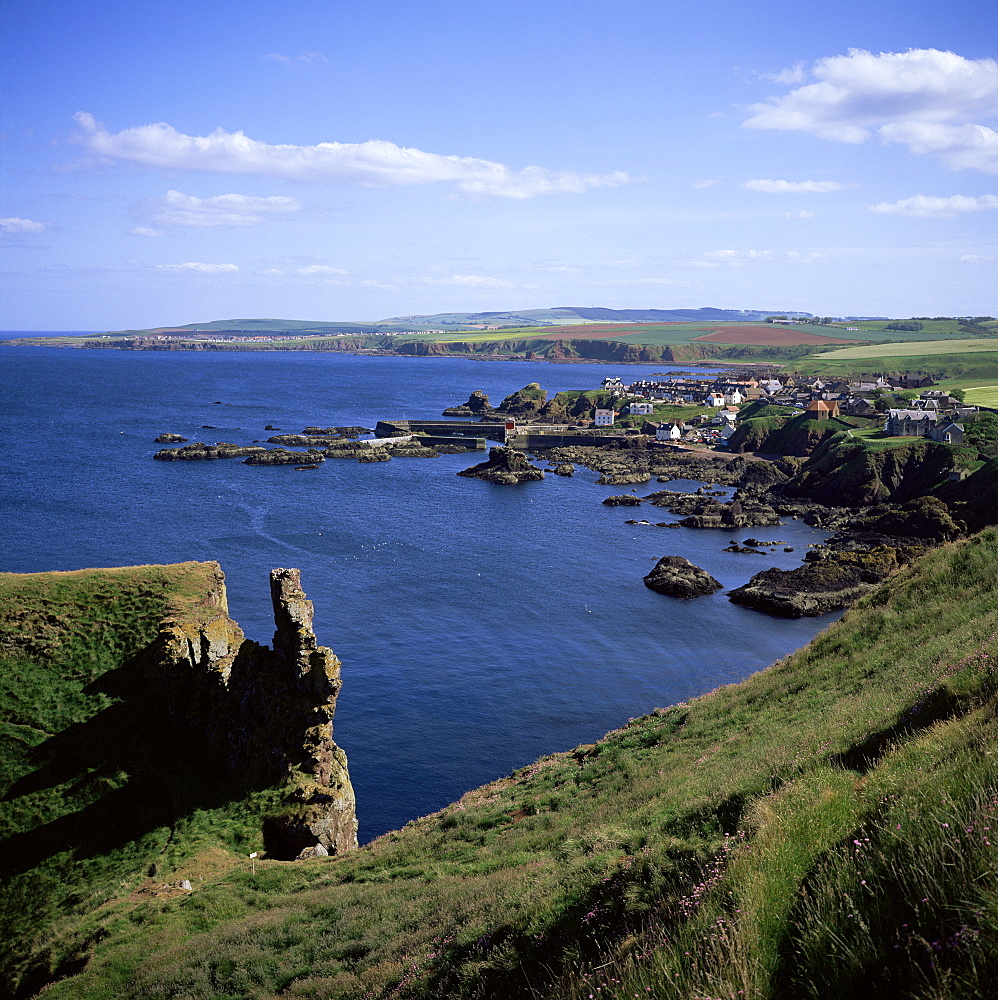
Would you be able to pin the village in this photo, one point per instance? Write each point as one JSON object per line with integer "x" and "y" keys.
{"x": 926, "y": 412}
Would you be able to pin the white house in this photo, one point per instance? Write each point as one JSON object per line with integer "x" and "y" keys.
{"x": 641, "y": 409}
{"x": 733, "y": 398}
{"x": 669, "y": 432}
{"x": 612, "y": 383}
{"x": 714, "y": 399}
{"x": 604, "y": 418}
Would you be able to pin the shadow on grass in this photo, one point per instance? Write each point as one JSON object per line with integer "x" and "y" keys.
{"x": 128, "y": 770}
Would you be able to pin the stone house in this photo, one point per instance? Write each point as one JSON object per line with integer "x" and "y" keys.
{"x": 822, "y": 409}
{"x": 947, "y": 432}
{"x": 910, "y": 423}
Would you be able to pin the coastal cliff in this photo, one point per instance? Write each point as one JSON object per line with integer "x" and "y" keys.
{"x": 268, "y": 712}
{"x": 144, "y": 740}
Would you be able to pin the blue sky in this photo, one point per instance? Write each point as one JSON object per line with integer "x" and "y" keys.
{"x": 358, "y": 159}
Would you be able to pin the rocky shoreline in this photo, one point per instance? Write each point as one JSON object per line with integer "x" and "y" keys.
{"x": 883, "y": 515}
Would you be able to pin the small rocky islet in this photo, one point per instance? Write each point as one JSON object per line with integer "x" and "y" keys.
{"x": 678, "y": 577}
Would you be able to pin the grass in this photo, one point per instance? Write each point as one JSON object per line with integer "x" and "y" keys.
{"x": 982, "y": 395}
{"x": 926, "y": 349}
{"x": 956, "y": 363}
{"x": 98, "y": 788}
{"x": 783, "y": 837}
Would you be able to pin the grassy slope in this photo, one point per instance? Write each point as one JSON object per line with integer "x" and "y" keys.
{"x": 925, "y": 349}
{"x": 962, "y": 364}
{"x": 821, "y": 830}
{"x": 96, "y": 790}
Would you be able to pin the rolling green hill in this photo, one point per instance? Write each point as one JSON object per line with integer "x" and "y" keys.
{"x": 822, "y": 830}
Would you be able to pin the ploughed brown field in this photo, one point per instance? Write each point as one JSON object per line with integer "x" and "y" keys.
{"x": 769, "y": 336}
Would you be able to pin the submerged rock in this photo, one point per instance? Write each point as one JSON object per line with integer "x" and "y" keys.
{"x": 504, "y": 466}
{"x": 624, "y": 500}
{"x": 678, "y": 577}
{"x": 170, "y": 439}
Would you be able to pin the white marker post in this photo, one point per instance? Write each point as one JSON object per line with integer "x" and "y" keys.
{"x": 253, "y": 860}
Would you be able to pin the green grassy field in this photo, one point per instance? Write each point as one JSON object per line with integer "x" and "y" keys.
{"x": 982, "y": 395}
{"x": 822, "y": 830}
{"x": 926, "y": 349}
{"x": 958, "y": 364}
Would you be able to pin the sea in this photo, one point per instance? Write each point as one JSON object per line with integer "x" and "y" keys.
{"x": 479, "y": 626}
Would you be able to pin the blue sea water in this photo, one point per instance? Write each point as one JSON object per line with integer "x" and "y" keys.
{"x": 479, "y": 626}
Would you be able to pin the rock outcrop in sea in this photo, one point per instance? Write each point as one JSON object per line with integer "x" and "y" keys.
{"x": 826, "y": 582}
{"x": 504, "y": 466}
{"x": 281, "y": 456}
{"x": 678, "y": 577}
{"x": 267, "y": 713}
{"x": 478, "y": 405}
{"x": 199, "y": 451}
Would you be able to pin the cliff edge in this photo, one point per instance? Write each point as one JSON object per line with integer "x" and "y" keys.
{"x": 267, "y": 712}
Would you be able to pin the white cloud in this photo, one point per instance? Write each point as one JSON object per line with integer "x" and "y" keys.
{"x": 973, "y": 258}
{"x": 802, "y": 214}
{"x": 475, "y": 281}
{"x": 793, "y": 187}
{"x": 12, "y": 224}
{"x": 642, "y": 281}
{"x": 926, "y": 99}
{"x": 938, "y": 208}
{"x": 748, "y": 258}
{"x": 144, "y": 231}
{"x": 177, "y": 209}
{"x": 313, "y": 269}
{"x": 737, "y": 256}
{"x": 788, "y": 76}
{"x": 699, "y": 185}
{"x": 374, "y": 163}
{"x": 195, "y": 267}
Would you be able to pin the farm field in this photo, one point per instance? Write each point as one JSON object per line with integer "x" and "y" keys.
{"x": 983, "y": 395}
{"x": 964, "y": 364}
{"x": 770, "y": 335}
{"x": 925, "y": 348}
